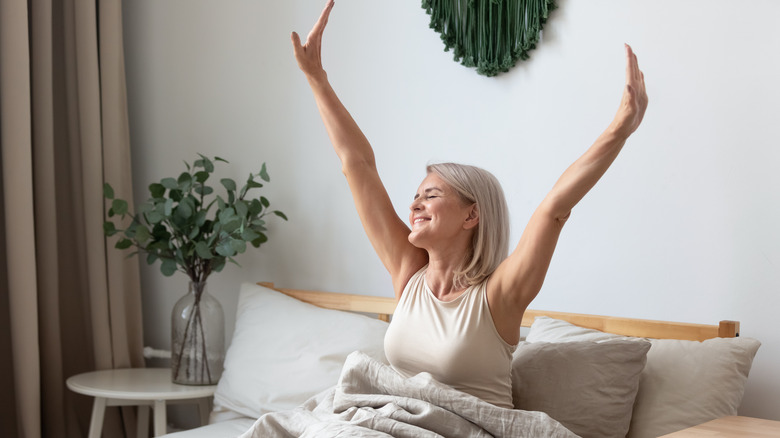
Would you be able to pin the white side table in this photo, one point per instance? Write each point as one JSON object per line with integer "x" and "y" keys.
{"x": 142, "y": 387}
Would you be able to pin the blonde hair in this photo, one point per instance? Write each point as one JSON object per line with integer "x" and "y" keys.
{"x": 490, "y": 243}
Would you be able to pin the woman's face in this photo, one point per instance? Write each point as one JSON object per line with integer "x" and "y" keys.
{"x": 438, "y": 214}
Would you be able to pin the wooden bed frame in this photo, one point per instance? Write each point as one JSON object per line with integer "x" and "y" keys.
{"x": 385, "y": 306}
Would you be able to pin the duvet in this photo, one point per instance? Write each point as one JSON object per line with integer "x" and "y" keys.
{"x": 373, "y": 400}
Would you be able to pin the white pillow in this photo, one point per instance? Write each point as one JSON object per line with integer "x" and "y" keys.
{"x": 285, "y": 351}
{"x": 685, "y": 383}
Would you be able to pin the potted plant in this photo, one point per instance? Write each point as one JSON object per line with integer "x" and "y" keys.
{"x": 189, "y": 229}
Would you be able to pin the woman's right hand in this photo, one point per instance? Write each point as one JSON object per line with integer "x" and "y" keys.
{"x": 309, "y": 55}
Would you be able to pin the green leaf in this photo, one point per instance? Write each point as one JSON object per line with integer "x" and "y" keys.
{"x": 201, "y": 176}
{"x": 280, "y": 214}
{"x": 146, "y": 207}
{"x": 241, "y": 209}
{"x": 189, "y": 250}
{"x": 225, "y": 249}
{"x": 239, "y": 246}
{"x": 203, "y": 250}
{"x": 108, "y": 191}
{"x": 255, "y": 208}
{"x": 109, "y": 229}
{"x": 231, "y": 226}
{"x": 160, "y": 233}
{"x": 249, "y": 234}
{"x": 207, "y": 164}
{"x": 179, "y": 256}
{"x": 123, "y": 244}
{"x": 157, "y": 190}
{"x": 184, "y": 209}
{"x": 185, "y": 180}
{"x": 154, "y": 217}
{"x": 168, "y": 207}
{"x": 264, "y": 174}
{"x": 151, "y": 258}
{"x": 169, "y": 183}
{"x": 252, "y": 184}
{"x": 176, "y": 195}
{"x": 264, "y": 201}
{"x": 221, "y": 204}
{"x": 203, "y": 190}
{"x": 227, "y": 215}
{"x": 168, "y": 267}
{"x": 119, "y": 206}
{"x": 200, "y": 218}
{"x": 228, "y": 183}
{"x": 130, "y": 231}
{"x": 260, "y": 240}
{"x": 218, "y": 264}
{"x": 142, "y": 234}
{"x": 220, "y": 159}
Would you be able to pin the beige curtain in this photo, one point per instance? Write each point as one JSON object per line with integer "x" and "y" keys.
{"x": 69, "y": 302}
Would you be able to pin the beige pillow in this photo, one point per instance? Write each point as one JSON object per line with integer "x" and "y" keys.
{"x": 588, "y": 387}
{"x": 685, "y": 383}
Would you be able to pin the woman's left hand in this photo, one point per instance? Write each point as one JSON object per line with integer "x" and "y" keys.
{"x": 634, "y": 101}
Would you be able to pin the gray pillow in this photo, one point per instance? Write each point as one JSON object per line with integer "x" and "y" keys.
{"x": 685, "y": 383}
{"x": 589, "y": 387}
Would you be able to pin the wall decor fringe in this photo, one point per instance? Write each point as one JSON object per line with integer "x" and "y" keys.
{"x": 491, "y": 35}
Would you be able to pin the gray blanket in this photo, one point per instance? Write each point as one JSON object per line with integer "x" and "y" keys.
{"x": 373, "y": 400}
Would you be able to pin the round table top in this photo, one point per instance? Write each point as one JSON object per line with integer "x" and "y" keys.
{"x": 136, "y": 384}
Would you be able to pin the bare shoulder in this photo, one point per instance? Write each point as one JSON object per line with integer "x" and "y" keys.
{"x": 410, "y": 266}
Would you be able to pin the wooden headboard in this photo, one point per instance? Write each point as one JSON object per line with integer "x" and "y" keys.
{"x": 385, "y": 306}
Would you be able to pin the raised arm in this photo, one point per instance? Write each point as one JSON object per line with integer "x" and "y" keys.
{"x": 519, "y": 278}
{"x": 386, "y": 231}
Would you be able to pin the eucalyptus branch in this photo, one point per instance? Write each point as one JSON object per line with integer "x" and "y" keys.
{"x": 177, "y": 226}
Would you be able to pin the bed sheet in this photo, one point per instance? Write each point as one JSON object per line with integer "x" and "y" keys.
{"x": 223, "y": 429}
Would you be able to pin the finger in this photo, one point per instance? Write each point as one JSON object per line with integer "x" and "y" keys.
{"x": 635, "y": 62}
{"x": 632, "y": 66}
{"x": 296, "y": 42}
{"x": 319, "y": 27}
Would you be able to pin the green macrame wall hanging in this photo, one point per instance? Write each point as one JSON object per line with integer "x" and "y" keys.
{"x": 490, "y": 35}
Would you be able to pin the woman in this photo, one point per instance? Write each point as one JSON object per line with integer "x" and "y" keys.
{"x": 461, "y": 300}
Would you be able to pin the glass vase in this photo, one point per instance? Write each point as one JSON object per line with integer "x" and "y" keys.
{"x": 197, "y": 338}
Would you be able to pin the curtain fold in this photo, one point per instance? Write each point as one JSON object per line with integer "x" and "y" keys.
{"x": 70, "y": 301}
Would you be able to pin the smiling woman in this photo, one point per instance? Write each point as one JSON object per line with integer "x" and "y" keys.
{"x": 479, "y": 191}
{"x": 457, "y": 289}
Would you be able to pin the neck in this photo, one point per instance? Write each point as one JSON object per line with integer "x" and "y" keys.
{"x": 441, "y": 273}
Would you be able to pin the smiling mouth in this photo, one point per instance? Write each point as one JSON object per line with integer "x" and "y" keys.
{"x": 419, "y": 219}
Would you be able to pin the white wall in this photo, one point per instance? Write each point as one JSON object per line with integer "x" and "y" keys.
{"x": 683, "y": 227}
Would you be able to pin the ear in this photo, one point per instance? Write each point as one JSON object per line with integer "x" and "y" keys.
{"x": 473, "y": 218}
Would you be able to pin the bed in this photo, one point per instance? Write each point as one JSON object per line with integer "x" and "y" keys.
{"x": 596, "y": 376}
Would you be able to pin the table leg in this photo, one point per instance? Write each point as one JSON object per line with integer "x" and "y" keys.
{"x": 143, "y": 422}
{"x": 160, "y": 419}
{"x": 96, "y": 423}
{"x": 203, "y": 410}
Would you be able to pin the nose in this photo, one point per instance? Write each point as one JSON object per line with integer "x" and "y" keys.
{"x": 416, "y": 205}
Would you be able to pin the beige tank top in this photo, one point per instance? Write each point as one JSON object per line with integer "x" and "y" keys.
{"x": 455, "y": 341}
